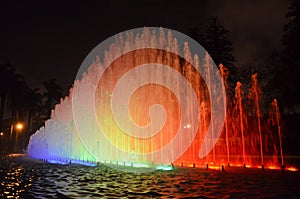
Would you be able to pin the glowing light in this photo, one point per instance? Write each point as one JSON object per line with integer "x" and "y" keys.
{"x": 292, "y": 169}
{"x": 140, "y": 165}
{"x": 165, "y": 167}
{"x": 187, "y": 126}
{"x": 273, "y": 167}
{"x": 19, "y": 126}
{"x": 65, "y": 162}
{"x": 214, "y": 167}
{"x": 57, "y": 162}
{"x": 1, "y": 133}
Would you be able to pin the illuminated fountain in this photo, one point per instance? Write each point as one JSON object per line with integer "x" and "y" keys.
{"x": 92, "y": 125}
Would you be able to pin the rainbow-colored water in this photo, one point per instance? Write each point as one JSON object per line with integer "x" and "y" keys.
{"x": 92, "y": 124}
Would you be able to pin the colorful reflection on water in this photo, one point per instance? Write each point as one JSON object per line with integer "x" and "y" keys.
{"x": 23, "y": 177}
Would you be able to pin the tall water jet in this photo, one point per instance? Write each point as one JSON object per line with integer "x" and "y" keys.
{"x": 274, "y": 114}
{"x": 210, "y": 85}
{"x": 254, "y": 94}
{"x": 239, "y": 107}
{"x": 224, "y": 72}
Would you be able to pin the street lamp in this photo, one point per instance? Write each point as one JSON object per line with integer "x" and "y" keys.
{"x": 18, "y": 126}
{"x": 1, "y": 135}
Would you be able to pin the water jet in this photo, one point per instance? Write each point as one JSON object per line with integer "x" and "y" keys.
{"x": 171, "y": 119}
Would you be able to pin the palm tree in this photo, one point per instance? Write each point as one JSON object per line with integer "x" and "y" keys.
{"x": 18, "y": 98}
{"x": 53, "y": 94}
{"x": 12, "y": 86}
{"x": 33, "y": 105}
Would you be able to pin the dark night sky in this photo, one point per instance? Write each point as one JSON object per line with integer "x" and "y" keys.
{"x": 50, "y": 40}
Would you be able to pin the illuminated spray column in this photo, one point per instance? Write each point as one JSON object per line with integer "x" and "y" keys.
{"x": 146, "y": 97}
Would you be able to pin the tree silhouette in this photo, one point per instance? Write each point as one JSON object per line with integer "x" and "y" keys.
{"x": 13, "y": 88}
{"x": 53, "y": 94}
{"x": 214, "y": 38}
{"x": 287, "y": 61}
{"x": 33, "y": 106}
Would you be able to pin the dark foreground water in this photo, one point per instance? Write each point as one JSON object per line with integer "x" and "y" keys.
{"x": 23, "y": 177}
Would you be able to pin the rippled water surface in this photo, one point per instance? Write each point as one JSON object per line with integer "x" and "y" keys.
{"x": 23, "y": 177}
